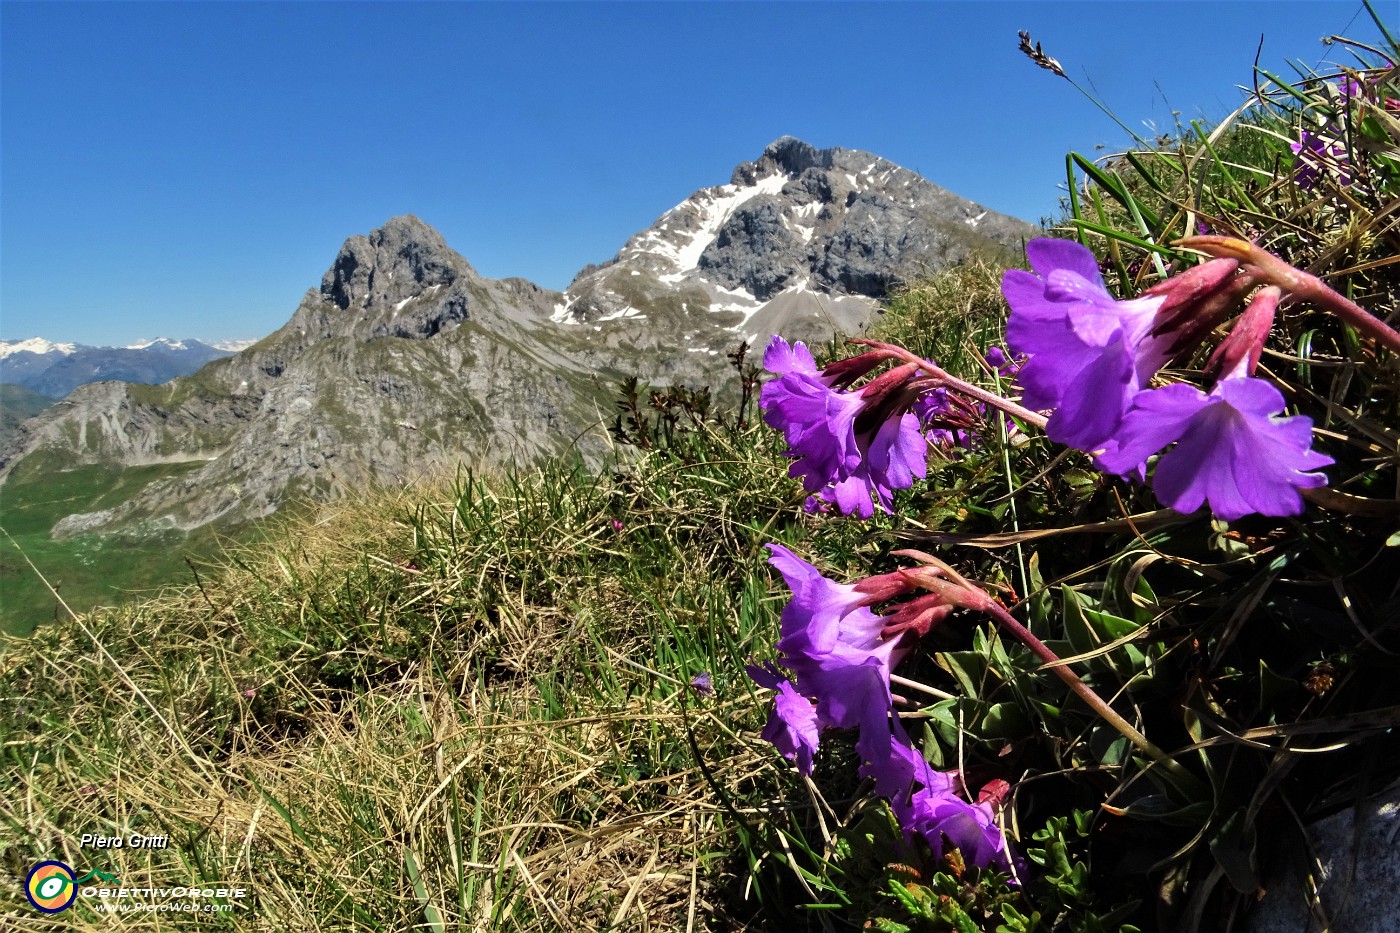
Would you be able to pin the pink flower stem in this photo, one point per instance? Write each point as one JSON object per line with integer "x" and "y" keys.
{"x": 959, "y": 592}
{"x": 1296, "y": 283}
{"x": 950, "y": 381}
{"x": 1073, "y": 681}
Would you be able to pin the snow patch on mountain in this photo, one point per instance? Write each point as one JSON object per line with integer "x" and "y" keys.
{"x": 232, "y": 346}
{"x": 697, "y": 221}
{"x": 161, "y": 342}
{"x": 36, "y": 345}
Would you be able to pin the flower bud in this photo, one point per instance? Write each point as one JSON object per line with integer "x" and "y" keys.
{"x": 1196, "y": 301}
{"x": 1238, "y": 354}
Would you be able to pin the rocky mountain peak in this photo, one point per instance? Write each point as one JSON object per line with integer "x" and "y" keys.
{"x": 799, "y": 236}
{"x": 394, "y": 263}
{"x": 786, "y": 156}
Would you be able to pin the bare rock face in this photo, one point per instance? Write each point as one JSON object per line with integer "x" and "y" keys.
{"x": 1357, "y": 892}
{"x": 395, "y": 263}
{"x": 800, "y": 241}
{"x": 406, "y": 361}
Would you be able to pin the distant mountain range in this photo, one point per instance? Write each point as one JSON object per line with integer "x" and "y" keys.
{"x": 55, "y": 369}
{"x": 406, "y": 360}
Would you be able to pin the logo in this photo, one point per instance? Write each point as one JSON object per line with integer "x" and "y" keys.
{"x": 51, "y": 887}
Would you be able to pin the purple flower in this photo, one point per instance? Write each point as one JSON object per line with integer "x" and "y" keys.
{"x": 948, "y": 419}
{"x": 1088, "y": 353}
{"x": 937, "y": 813}
{"x": 817, "y": 421}
{"x": 901, "y": 768}
{"x": 1319, "y": 155}
{"x": 892, "y": 459}
{"x": 1232, "y": 448}
{"x": 1006, "y": 366}
{"x": 832, "y": 641}
{"x": 822, "y": 613}
{"x": 792, "y": 727}
{"x": 926, "y": 802}
{"x": 834, "y": 645}
{"x": 848, "y": 448}
{"x": 703, "y": 684}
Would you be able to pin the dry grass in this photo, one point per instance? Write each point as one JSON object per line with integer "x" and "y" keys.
{"x": 465, "y": 708}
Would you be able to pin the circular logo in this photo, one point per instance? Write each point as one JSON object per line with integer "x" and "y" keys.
{"x": 50, "y": 887}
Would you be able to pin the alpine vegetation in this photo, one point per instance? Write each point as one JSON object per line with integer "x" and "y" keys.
{"x": 1062, "y": 598}
{"x": 992, "y": 774}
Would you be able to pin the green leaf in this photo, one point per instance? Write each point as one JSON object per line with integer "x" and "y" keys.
{"x": 1109, "y": 627}
{"x": 932, "y": 748}
{"x": 1115, "y": 187}
{"x": 1146, "y": 246}
{"x": 1004, "y": 721}
{"x": 969, "y": 668}
{"x": 943, "y": 720}
{"x": 1076, "y": 628}
{"x": 1272, "y": 685}
{"x": 1234, "y": 846}
{"x": 1016, "y": 922}
{"x": 430, "y": 913}
{"x": 1158, "y": 808}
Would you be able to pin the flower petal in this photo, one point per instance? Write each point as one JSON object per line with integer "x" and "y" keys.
{"x": 1047, "y": 254}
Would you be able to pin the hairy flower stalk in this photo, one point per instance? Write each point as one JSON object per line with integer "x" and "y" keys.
{"x": 941, "y": 579}
{"x": 1296, "y": 284}
{"x": 941, "y": 378}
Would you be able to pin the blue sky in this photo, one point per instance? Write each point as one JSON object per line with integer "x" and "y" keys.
{"x": 189, "y": 170}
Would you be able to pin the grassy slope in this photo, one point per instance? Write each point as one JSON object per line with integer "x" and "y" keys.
{"x": 471, "y": 705}
{"x": 87, "y": 570}
{"x": 16, "y": 404}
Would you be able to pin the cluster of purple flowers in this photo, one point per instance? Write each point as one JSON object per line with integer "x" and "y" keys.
{"x": 1320, "y": 154}
{"x": 851, "y": 446}
{"x": 1086, "y": 358}
{"x": 1091, "y": 358}
{"x": 841, "y": 655}
{"x": 852, "y": 449}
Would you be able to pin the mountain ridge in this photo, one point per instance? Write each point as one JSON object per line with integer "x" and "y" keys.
{"x": 54, "y": 369}
{"x": 406, "y": 360}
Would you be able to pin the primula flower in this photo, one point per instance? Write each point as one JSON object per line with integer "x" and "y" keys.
{"x": 926, "y": 802}
{"x": 1089, "y": 354}
{"x": 817, "y": 421}
{"x": 1318, "y": 155}
{"x": 848, "y": 447}
{"x": 936, "y": 813}
{"x": 1232, "y": 448}
{"x": 793, "y": 727}
{"x": 841, "y": 654}
{"x": 832, "y": 641}
{"x": 948, "y": 419}
{"x": 834, "y": 645}
{"x": 1006, "y": 366}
